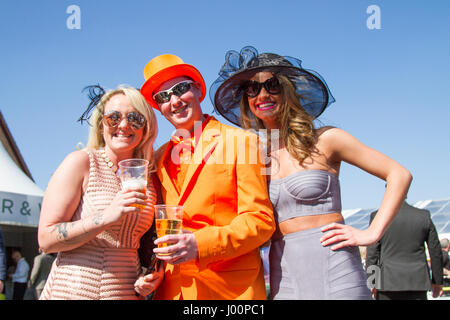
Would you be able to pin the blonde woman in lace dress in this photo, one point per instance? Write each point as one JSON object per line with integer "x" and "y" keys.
{"x": 86, "y": 216}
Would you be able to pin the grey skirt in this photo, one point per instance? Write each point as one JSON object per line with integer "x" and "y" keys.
{"x": 302, "y": 269}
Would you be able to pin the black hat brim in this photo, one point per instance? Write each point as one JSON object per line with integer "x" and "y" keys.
{"x": 226, "y": 92}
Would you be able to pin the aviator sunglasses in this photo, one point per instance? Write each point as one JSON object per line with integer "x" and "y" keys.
{"x": 113, "y": 118}
{"x": 253, "y": 88}
{"x": 178, "y": 90}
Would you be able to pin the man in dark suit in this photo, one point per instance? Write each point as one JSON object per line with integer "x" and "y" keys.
{"x": 2, "y": 263}
{"x": 445, "y": 245}
{"x": 400, "y": 257}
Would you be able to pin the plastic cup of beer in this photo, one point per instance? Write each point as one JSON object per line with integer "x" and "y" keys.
{"x": 133, "y": 176}
{"x": 169, "y": 220}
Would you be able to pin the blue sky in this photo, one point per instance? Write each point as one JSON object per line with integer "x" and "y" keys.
{"x": 390, "y": 84}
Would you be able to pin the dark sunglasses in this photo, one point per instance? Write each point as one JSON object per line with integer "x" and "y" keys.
{"x": 113, "y": 118}
{"x": 253, "y": 88}
{"x": 178, "y": 90}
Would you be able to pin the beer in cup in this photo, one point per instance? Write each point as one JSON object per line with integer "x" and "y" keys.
{"x": 169, "y": 220}
{"x": 133, "y": 176}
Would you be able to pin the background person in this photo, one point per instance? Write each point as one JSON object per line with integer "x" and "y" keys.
{"x": 400, "y": 256}
{"x": 20, "y": 275}
{"x": 362, "y": 252}
{"x": 314, "y": 255}
{"x": 86, "y": 216}
{"x": 40, "y": 271}
{"x": 445, "y": 245}
{"x": 3, "y": 273}
{"x": 227, "y": 214}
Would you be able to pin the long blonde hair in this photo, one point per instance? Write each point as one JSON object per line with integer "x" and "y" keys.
{"x": 145, "y": 148}
{"x": 297, "y": 130}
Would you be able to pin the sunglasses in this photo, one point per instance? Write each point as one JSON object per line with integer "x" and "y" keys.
{"x": 178, "y": 90}
{"x": 135, "y": 119}
{"x": 253, "y": 88}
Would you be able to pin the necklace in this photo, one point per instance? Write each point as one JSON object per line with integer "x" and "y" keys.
{"x": 109, "y": 163}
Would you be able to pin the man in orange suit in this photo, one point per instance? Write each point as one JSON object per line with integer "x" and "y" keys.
{"x": 216, "y": 173}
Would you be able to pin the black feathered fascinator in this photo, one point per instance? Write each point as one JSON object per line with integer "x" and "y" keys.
{"x": 95, "y": 94}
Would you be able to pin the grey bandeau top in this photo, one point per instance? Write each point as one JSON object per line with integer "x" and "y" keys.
{"x": 305, "y": 193}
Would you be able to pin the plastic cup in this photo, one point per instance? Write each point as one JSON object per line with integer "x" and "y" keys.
{"x": 133, "y": 176}
{"x": 169, "y": 220}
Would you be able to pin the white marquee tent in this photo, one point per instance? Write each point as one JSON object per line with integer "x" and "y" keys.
{"x": 20, "y": 201}
{"x": 20, "y": 197}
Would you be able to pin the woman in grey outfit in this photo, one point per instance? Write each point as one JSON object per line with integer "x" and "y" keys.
{"x": 313, "y": 254}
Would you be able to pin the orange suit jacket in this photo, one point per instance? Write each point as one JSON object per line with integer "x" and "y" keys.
{"x": 226, "y": 206}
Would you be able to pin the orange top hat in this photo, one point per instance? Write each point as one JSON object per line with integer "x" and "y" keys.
{"x": 166, "y": 67}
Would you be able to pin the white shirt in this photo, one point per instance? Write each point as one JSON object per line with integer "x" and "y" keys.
{"x": 22, "y": 269}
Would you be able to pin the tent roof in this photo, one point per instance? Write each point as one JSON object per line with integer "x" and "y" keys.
{"x": 10, "y": 145}
{"x": 14, "y": 174}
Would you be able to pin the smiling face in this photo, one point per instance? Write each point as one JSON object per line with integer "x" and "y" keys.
{"x": 184, "y": 110}
{"x": 265, "y": 106}
{"x": 123, "y": 138}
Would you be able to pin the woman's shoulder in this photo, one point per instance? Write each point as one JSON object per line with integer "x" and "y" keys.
{"x": 320, "y": 131}
{"x": 334, "y": 139}
{"x": 74, "y": 168}
{"x": 330, "y": 133}
{"x": 78, "y": 159}
{"x": 326, "y": 133}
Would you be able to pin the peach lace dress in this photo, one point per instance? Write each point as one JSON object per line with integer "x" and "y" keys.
{"x": 107, "y": 266}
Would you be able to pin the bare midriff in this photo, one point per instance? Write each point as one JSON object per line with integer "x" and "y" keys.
{"x": 308, "y": 222}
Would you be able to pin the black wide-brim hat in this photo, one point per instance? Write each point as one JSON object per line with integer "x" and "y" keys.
{"x": 227, "y": 90}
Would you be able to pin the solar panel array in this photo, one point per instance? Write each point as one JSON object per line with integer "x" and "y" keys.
{"x": 439, "y": 211}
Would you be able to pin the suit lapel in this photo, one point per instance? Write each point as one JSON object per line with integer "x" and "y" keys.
{"x": 203, "y": 150}
{"x": 163, "y": 175}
